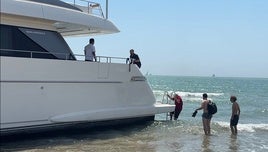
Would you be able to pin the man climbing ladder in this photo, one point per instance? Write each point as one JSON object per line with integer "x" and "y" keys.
{"x": 178, "y": 106}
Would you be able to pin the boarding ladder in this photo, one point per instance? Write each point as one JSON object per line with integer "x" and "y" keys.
{"x": 166, "y": 100}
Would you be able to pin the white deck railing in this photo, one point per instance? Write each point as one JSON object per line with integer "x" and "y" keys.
{"x": 65, "y": 56}
{"x": 87, "y": 6}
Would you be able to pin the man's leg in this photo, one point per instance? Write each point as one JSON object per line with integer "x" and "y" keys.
{"x": 204, "y": 125}
{"x": 235, "y": 129}
{"x": 171, "y": 114}
{"x": 208, "y": 126}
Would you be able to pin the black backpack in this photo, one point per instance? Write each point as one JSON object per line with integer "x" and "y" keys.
{"x": 212, "y": 108}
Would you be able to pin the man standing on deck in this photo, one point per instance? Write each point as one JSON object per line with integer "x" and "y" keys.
{"x": 90, "y": 51}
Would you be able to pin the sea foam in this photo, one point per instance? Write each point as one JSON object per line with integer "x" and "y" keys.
{"x": 245, "y": 127}
{"x": 187, "y": 94}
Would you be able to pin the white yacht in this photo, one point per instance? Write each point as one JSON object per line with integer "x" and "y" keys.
{"x": 45, "y": 85}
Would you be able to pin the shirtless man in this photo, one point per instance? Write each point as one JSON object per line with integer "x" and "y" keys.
{"x": 206, "y": 118}
{"x": 235, "y": 115}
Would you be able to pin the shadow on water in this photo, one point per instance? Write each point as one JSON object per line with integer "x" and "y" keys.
{"x": 42, "y": 139}
{"x": 234, "y": 145}
{"x": 206, "y": 143}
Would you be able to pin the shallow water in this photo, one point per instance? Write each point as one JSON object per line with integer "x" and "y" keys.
{"x": 163, "y": 135}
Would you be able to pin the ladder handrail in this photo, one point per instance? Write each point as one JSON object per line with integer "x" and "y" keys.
{"x": 168, "y": 101}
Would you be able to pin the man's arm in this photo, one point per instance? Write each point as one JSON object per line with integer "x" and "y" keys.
{"x": 238, "y": 109}
{"x": 94, "y": 52}
{"x": 233, "y": 110}
{"x": 170, "y": 97}
{"x": 137, "y": 59}
{"x": 201, "y": 107}
{"x": 94, "y": 55}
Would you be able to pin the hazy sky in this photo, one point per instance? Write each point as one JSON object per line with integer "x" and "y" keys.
{"x": 228, "y": 38}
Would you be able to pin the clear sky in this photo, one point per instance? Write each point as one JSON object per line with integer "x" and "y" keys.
{"x": 228, "y": 38}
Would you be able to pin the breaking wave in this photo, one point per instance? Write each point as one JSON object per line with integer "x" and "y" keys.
{"x": 245, "y": 127}
{"x": 192, "y": 96}
{"x": 187, "y": 94}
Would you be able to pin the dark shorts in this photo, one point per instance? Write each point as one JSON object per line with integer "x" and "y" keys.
{"x": 176, "y": 113}
{"x": 206, "y": 116}
{"x": 234, "y": 121}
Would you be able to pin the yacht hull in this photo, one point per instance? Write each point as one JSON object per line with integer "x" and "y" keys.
{"x": 39, "y": 92}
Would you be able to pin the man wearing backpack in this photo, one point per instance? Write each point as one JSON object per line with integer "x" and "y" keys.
{"x": 206, "y": 117}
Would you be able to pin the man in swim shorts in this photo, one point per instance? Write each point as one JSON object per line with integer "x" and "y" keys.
{"x": 235, "y": 115}
{"x": 206, "y": 117}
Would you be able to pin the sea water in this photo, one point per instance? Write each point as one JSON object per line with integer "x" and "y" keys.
{"x": 185, "y": 134}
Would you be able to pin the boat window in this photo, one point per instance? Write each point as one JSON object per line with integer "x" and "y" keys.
{"x": 15, "y": 43}
{"x": 26, "y": 42}
{"x": 51, "y": 41}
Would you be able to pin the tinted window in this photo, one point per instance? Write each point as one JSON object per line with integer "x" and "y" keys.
{"x": 15, "y": 43}
{"x": 26, "y": 42}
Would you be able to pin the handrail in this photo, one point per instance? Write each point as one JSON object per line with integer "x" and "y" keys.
{"x": 102, "y": 59}
{"x": 167, "y": 100}
{"x": 37, "y": 52}
{"x": 87, "y": 6}
{"x": 108, "y": 59}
